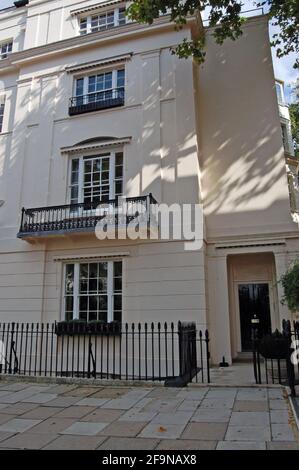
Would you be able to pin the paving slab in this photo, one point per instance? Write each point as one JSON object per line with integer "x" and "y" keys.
{"x": 69, "y": 442}
{"x": 279, "y": 416}
{"x": 186, "y": 444}
{"x": 170, "y": 431}
{"x": 19, "y": 408}
{"x": 163, "y": 406}
{"x": 84, "y": 429}
{"x": 282, "y": 432}
{"x": 123, "y": 429}
{"x": 63, "y": 402}
{"x": 278, "y": 405}
{"x": 276, "y": 394}
{"x": 163, "y": 392}
{"x": 5, "y": 417}
{"x": 53, "y": 425}
{"x": 5, "y": 435}
{"x": 4, "y": 393}
{"x": 248, "y": 433}
{"x": 128, "y": 443}
{"x": 110, "y": 392}
{"x": 179, "y": 417}
{"x": 249, "y": 418}
{"x": 40, "y": 398}
{"x": 103, "y": 416}
{"x": 135, "y": 415}
{"x": 120, "y": 403}
{"x": 62, "y": 388}
{"x": 27, "y": 441}
{"x": 252, "y": 395}
{"x": 192, "y": 394}
{"x": 205, "y": 431}
{"x": 15, "y": 397}
{"x": 283, "y": 445}
{"x": 242, "y": 445}
{"x": 251, "y": 405}
{"x": 92, "y": 402}
{"x": 207, "y": 415}
{"x": 226, "y": 403}
{"x": 74, "y": 412}
{"x": 3, "y": 405}
{"x": 41, "y": 412}
{"x": 221, "y": 393}
{"x": 19, "y": 425}
{"x": 189, "y": 405}
{"x": 80, "y": 392}
{"x": 14, "y": 387}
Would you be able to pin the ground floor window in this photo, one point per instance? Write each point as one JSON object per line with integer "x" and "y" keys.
{"x": 93, "y": 291}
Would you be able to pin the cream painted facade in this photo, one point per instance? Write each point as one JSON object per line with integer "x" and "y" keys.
{"x": 188, "y": 134}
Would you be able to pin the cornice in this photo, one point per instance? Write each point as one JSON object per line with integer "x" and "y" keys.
{"x": 17, "y": 59}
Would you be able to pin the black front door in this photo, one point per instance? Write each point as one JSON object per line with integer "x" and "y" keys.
{"x": 253, "y": 300}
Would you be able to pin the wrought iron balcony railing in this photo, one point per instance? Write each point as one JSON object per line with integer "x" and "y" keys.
{"x": 43, "y": 221}
{"x": 96, "y": 101}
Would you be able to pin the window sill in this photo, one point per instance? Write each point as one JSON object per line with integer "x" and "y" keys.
{"x": 71, "y": 328}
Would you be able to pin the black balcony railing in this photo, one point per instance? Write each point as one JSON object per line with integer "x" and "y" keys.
{"x": 85, "y": 216}
{"x": 96, "y": 101}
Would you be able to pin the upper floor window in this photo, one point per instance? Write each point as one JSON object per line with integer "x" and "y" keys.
{"x": 279, "y": 92}
{"x": 98, "y": 91}
{"x": 6, "y": 48}
{"x": 100, "y": 22}
{"x": 96, "y": 178}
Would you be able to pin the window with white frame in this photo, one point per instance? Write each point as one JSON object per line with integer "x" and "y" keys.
{"x": 5, "y": 48}
{"x": 93, "y": 291}
{"x": 279, "y": 92}
{"x": 96, "y": 178}
{"x": 100, "y": 87}
{"x": 2, "y": 106}
{"x": 102, "y": 21}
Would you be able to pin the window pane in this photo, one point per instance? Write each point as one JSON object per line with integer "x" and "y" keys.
{"x": 83, "y": 271}
{"x": 69, "y": 278}
{"x": 120, "y": 78}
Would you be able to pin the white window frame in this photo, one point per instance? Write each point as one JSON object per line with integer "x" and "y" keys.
{"x": 7, "y": 43}
{"x": 76, "y": 287}
{"x": 97, "y": 72}
{"x": 282, "y": 101}
{"x": 100, "y": 13}
{"x": 86, "y": 156}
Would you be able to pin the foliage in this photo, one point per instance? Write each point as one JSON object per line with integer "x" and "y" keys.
{"x": 290, "y": 284}
{"x": 225, "y": 17}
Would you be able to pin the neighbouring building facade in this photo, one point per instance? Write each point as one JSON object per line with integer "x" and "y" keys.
{"x": 93, "y": 107}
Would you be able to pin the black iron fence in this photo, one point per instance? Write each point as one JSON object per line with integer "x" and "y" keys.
{"x": 111, "y": 351}
{"x": 85, "y": 216}
{"x": 275, "y": 356}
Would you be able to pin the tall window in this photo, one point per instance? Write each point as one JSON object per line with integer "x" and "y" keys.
{"x": 2, "y": 106}
{"x": 279, "y": 92}
{"x": 93, "y": 291}
{"x": 100, "y": 22}
{"x": 285, "y": 137}
{"x": 96, "y": 178}
{"x": 100, "y": 87}
{"x": 5, "y": 49}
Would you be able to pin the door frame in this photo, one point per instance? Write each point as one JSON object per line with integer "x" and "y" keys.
{"x": 237, "y": 308}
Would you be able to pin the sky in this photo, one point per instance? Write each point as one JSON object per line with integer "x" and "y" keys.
{"x": 283, "y": 68}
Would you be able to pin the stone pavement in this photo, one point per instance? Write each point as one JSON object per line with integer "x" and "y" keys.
{"x": 51, "y": 416}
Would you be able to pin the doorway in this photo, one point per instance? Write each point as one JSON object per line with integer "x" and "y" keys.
{"x": 253, "y": 300}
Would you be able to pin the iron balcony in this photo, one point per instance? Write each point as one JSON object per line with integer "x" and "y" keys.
{"x": 84, "y": 217}
{"x": 97, "y": 101}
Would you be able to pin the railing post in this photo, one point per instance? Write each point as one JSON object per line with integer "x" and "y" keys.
{"x": 22, "y": 219}
{"x": 11, "y": 346}
{"x": 254, "y": 337}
